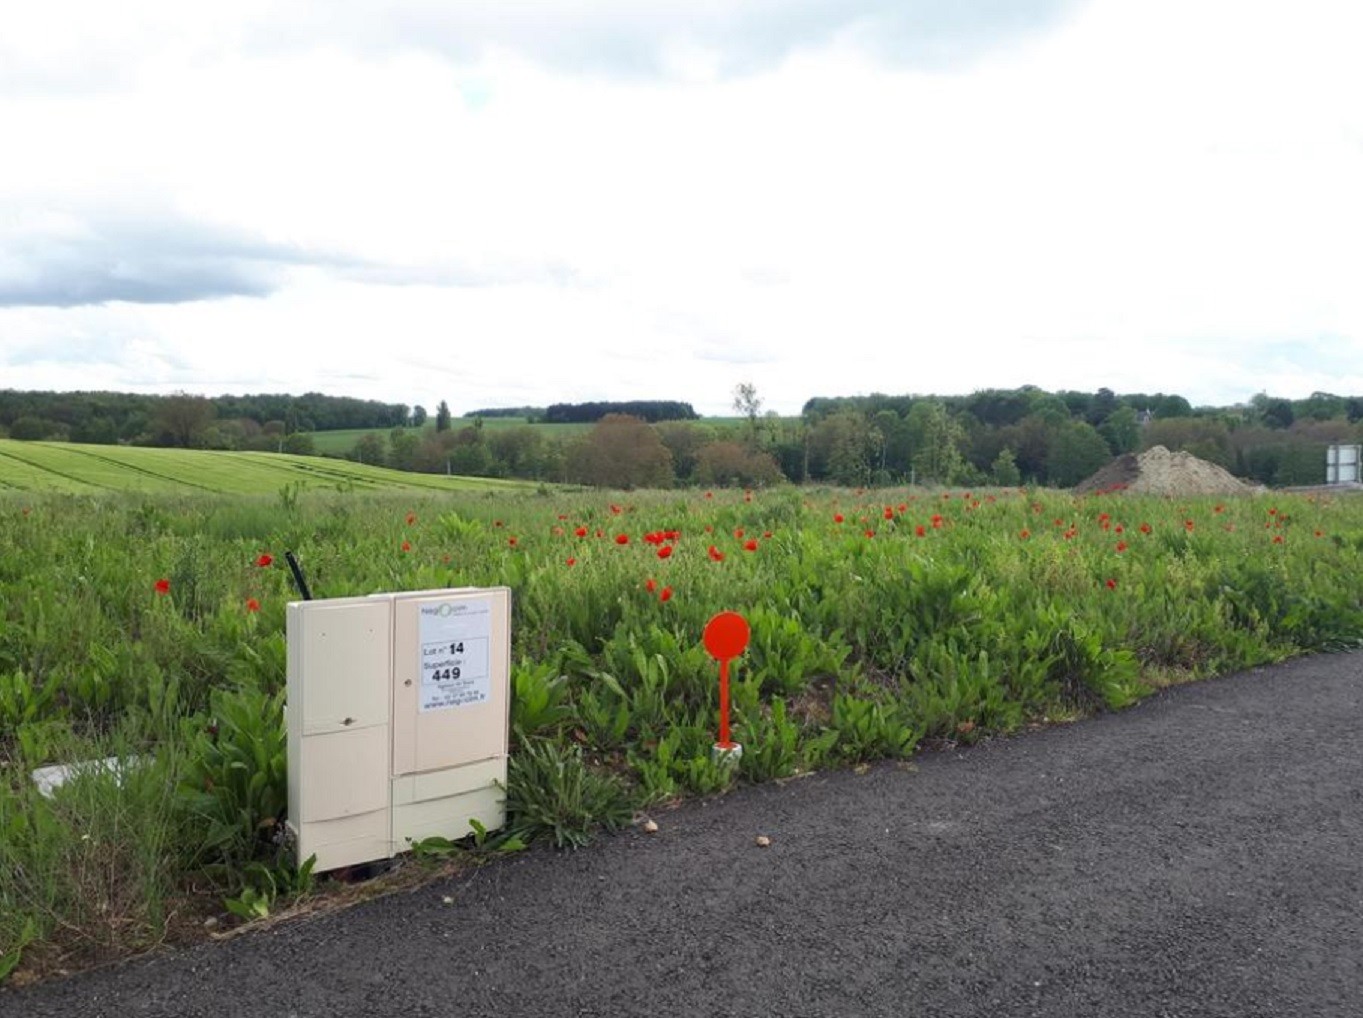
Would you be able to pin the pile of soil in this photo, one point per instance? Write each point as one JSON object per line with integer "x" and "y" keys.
{"x": 1157, "y": 471}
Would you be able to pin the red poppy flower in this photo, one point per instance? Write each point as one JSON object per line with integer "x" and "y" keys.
{"x": 921, "y": 530}
{"x": 716, "y": 554}
{"x": 903, "y": 508}
{"x": 651, "y": 585}
{"x": 870, "y": 534}
{"x": 750, "y": 544}
{"x": 1277, "y": 538}
{"x": 1145, "y": 528}
{"x": 738, "y": 534}
{"x": 1119, "y": 529}
{"x": 665, "y": 594}
{"x": 406, "y": 545}
{"x": 572, "y": 561}
{"x": 709, "y": 494}
{"x": 615, "y": 510}
{"x": 252, "y": 605}
{"x": 511, "y": 541}
{"x": 837, "y": 517}
{"x": 622, "y": 539}
{"x": 411, "y": 518}
{"x": 936, "y": 521}
{"x": 265, "y": 560}
{"x": 766, "y": 535}
{"x": 1188, "y": 525}
{"x": 162, "y": 586}
{"x": 889, "y": 512}
{"x": 665, "y": 551}
{"x": 1111, "y": 584}
{"x": 1121, "y": 547}
{"x": 580, "y": 532}
{"x": 1024, "y": 533}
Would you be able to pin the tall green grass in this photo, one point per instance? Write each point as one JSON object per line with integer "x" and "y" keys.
{"x": 150, "y": 628}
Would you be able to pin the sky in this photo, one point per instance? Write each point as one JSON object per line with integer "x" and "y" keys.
{"x": 511, "y": 202}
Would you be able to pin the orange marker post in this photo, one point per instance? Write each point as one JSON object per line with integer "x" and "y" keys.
{"x": 726, "y": 637}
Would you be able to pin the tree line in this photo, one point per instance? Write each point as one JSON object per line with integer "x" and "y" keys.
{"x": 210, "y": 422}
{"x": 992, "y": 436}
{"x": 1003, "y": 437}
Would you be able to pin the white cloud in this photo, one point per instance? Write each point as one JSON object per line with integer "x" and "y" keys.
{"x": 1149, "y": 197}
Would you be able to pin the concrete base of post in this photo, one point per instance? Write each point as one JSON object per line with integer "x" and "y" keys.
{"x": 727, "y": 755}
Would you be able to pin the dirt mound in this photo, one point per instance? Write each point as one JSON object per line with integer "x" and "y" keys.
{"x": 1157, "y": 471}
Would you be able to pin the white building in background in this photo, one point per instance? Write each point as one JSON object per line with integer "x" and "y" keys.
{"x": 1342, "y": 464}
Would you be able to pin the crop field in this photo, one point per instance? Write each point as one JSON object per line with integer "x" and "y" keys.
{"x": 99, "y": 469}
{"x": 149, "y": 628}
{"x": 341, "y": 441}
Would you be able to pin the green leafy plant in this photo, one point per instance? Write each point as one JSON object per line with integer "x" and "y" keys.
{"x": 539, "y": 698}
{"x": 236, "y": 782}
{"x": 870, "y": 731}
{"x": 479, "y": 844}
{"x": 552, "y": 793}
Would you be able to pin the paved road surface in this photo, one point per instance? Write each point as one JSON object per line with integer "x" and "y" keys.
{"x": 1201, "y": 854}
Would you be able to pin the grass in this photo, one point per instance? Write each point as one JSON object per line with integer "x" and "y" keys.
{"x": 148, "y": 625}
{"x": 41, "y": 467}
{"x": 341, "y": 441}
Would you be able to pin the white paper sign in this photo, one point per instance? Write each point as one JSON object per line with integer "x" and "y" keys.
{"x": 454, "y": 638}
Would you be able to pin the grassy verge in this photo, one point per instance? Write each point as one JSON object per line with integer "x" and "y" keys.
{"x": 148, "y": 629}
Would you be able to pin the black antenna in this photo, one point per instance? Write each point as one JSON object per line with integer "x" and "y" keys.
{"x": 298, "y": 580}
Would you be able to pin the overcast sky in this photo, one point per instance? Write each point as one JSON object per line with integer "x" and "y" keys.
{"x": 510, "y": 202}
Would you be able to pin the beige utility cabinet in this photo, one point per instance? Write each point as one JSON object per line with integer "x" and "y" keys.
{"x": 397, "y": 720}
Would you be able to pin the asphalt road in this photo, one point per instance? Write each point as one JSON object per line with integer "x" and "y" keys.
{"x": 1201, "y": 854}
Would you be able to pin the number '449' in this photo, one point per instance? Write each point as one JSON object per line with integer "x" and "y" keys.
{"x": 445, "y": 674}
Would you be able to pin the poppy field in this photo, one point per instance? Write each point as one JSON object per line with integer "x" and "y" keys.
{"x": 148, "y": 632}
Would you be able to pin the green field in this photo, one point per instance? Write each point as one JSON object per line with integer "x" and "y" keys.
{"x": 338, "y": 443}
{"x": 150, "y": 626}
{"x": 94, "y": 469}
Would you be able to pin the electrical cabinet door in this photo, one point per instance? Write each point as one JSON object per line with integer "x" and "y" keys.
{"x": 343, "y": 661}
{"x": 451, "y": 675}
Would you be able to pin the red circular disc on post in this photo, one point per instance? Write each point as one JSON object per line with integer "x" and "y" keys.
{"x": 726, "y": 636}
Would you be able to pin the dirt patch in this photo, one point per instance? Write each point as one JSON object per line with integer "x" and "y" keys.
{"x": 1157, "y": 471}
